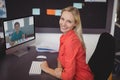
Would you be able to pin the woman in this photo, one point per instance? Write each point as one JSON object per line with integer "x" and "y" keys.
{"x": 72, "y": 58}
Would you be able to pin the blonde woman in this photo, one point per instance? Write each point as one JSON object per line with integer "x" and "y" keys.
{"x": 72, "y": 54}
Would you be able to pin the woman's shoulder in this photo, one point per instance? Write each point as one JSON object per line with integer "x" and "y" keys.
{"x": 70, "y": 37}
{"x": 73, "y": 39}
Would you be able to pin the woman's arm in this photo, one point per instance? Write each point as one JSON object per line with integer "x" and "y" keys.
{"x": 58, "y": 70}
{"x": 59, "y": 64}
{"x": 54, "y": 72}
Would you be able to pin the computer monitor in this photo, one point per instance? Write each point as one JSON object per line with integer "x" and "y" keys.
{"x": 19, "y": 34}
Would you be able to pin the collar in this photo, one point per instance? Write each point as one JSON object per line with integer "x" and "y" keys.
{"x": 65, "y": 36}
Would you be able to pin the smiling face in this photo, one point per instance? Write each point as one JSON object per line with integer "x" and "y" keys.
{"x": 17, "y": 27}
{"x": 67, "y": 22}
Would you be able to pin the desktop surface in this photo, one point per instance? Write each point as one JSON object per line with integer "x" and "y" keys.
{"x": 15, "y": 68}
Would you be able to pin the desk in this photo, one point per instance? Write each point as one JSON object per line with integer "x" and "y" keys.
{"x": 15, "y": 68}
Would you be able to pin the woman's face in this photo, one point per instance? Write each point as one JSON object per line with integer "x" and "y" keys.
{"x": 67, "y": 22}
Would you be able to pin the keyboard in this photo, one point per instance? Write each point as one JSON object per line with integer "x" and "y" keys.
{"x": 35, "y": 68}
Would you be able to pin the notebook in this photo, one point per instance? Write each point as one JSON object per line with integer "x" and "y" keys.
{"x": 35, "y": 68}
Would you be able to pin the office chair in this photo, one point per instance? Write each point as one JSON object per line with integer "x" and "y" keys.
{"x": 102, "y": 60}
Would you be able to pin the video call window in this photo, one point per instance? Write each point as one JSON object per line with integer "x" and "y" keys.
{"x": 18, "y": 31}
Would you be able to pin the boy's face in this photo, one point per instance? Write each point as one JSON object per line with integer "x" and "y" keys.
{"x": 17, "y": 27}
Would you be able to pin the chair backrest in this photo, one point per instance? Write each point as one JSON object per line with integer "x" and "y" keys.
{"x": 102, "y": 60}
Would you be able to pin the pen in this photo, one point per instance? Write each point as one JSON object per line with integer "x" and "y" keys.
{"x": 44, "y": 49}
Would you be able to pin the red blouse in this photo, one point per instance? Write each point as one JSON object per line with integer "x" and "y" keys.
{"x": 72, "y": 57}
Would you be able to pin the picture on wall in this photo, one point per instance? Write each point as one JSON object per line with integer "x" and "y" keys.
{"x": 3, "y": 13}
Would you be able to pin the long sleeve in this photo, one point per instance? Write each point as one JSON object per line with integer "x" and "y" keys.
{"x": 70, "y": 60}
{"x": 72, "y": 57}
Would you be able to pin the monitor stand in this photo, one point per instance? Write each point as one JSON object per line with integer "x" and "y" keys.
{"x": 21, "y": 52}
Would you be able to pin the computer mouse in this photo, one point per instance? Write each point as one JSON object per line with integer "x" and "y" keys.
{"x": 41, "y": 56}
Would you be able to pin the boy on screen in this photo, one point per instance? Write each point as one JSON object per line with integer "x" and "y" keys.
{"x": 18, "y": 34}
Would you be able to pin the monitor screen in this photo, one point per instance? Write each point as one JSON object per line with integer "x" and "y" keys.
{"x": 18, "y": 33}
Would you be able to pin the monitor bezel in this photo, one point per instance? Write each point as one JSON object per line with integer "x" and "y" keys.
{"x": 22, "y": 42}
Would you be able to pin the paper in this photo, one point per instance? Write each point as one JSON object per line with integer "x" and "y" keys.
{"x": 95, "y": 0}
{"x": 36, "y": 11}
{"x": 41, "y": 49}
{"x": 78, "y": 5}
{"x": 50, "y": 11}
{"x": 58, "y": 12}
{"x": 46, "y": 47}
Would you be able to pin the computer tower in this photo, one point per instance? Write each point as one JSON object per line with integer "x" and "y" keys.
{"x": 2, "y": 47}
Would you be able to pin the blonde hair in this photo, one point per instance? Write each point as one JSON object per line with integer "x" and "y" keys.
{"x": 78, "y": 28}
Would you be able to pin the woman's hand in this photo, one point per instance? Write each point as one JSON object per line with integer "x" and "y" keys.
{"x": 55, "y": 72}
{"x": 58, "y": 72}
{"x": 44, "y": 66}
